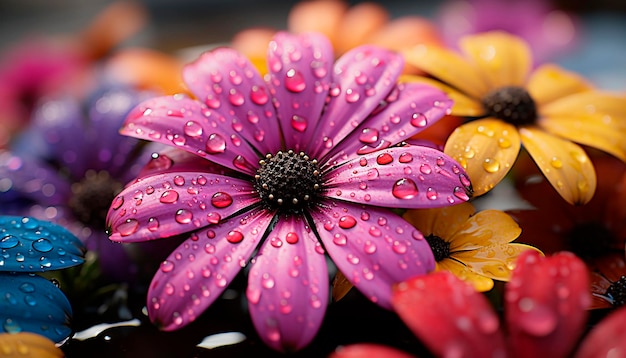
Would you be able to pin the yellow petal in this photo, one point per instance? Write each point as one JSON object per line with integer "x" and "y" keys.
{"x": 566, "y": 166}
{"x": 447, "y": 67}
{"x": 494, "y": 261}
{"x": 550, "y": 82}
{"x": 27, "y": 345}
{"x": 486, "y": 228}
{"x": 341, "y": 286}
{"x": 487, "y": 149}
{"x": 480, "y": 283}
{"x": 591, "y": 131}
{"x": 503, "y": 59}
{"x": 587, "y": 103}
{"x": 463, "y": 106}
{"x": 442, "y": 222}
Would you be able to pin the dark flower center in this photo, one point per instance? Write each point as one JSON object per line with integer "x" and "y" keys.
{"x": 617, "y": 292}
{"x": 440, "y": 247}
{"x": 288, "y": 181}
{"x": 590, "y": 240}
{"x": 92, "y": 196}
{"x": 511, "y": 104}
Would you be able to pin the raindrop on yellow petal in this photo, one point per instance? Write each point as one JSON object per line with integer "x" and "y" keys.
{"x": 491, "y": 165}
{"x": 556, "y": 162}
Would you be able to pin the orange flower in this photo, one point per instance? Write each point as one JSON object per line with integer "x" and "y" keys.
{"x": 346, "y": 26}
{"x": 546, "y": 111}
{"x": 476, "y": 247}
{"x": 27, "y": 345}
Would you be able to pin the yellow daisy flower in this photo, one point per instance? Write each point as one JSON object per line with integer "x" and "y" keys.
{"x": 28, "y": 345}
{"x": 509, "y": 105}
{"x": 476, "y": 247}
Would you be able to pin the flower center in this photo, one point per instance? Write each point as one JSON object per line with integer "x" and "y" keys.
{"x": 511, "y": 104}
{"x": 617, "y": 292}
{"x": 92, "y": 196}
{"x": 288, "y": 181}
{"x": 590, "y": 240}
{"x": 440, "y": 247}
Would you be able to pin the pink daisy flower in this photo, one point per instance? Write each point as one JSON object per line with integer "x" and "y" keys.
{"x": 280, "y": 171}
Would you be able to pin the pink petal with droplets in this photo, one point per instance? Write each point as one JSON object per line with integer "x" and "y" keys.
{"x": 228, "y": 83}
{"x": 363, "y": 77}
{"x": 170, "y": 204}
{"x": 300, "y": 72}
{"x": 449, "y": 316}
{"x": 374, "y": 248}
{"x": 546, "y": 304}
{"x": 288, "y": 286}
{"x": 201, "y": 268}
{"x": 412, "y": 108}
{"x": 607, "y": 338}
{"x": 174, "y": 160}
{"x": 185, "y": 123}
{"x": 400, "y": 177}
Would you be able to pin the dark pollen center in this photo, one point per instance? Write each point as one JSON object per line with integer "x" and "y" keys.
{"x": 511, "y": 104}
{"x": 440, "y": 247}
{"x": 617, "y": 292}
{"x": 92, "y": 196}
{"x": 590, "y": 240}
{"x": 288, "y": 181}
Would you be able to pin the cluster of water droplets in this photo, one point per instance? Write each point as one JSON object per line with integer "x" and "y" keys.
{"x": 30, "y": 245}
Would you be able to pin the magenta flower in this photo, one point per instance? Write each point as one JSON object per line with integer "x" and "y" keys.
{"x": 296, "y": 165}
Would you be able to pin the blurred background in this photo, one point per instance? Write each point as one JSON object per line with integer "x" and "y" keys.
{"x": 173, "y": 25}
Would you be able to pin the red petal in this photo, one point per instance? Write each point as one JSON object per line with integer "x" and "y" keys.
{"x": 368, "y": 350}
{"x": 449, "y": 316}
{"x": 607, "y": 339}
{"x": 545, "y": 304}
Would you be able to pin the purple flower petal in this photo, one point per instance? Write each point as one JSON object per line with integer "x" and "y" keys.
{"x": 165, "y": 205}
{"x": 400, "y": 177}
{"x": 25, "y": 179}
{"x": 196, "y": 273}
{"x": 188, "y": 124}
{"x": 226, "y": 82}
{"x": 300, "y": 68}
{"x": 373, "y": 247}
{"x": 410, "y": 109}
{"x": 363, "y": 77}
{"x": 288, "y": 286}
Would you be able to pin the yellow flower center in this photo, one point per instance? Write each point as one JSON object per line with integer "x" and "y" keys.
{"x": 511, "y": 104}
{"x": 440, "y": 247}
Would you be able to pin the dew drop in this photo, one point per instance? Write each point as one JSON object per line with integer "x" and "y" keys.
{"x": 27, "y": 287}
{"x": 179, "y": 180}
{"x": 405, "y": 158}
{"x": 292, "y": 238}
{"x": 169, "y": 197}
{"x": 369, "y": 247}
{"x": 425, "y": 169}
{"x": 340, "y": 239}
{"x": 368, "y": 136}
{"x": 465, "y": 180}
{"x": 491, "y": 165}
{"x": 258, "y": 95}
{"x": 352, "y": 95}
{"x": 213, "y": 218}
{"x": 431, "y": 194}
{"x": 384, "y": 159}
{"x": 353, "y": 259}
{"x": 276, "y": 242}
{"x": 9, "y": 241}
{"x": 117, "y": 202}
{"x": 183, "y": 216}
{"x": 128, "y": 227}
{"x": 167, "y": 266}
{"x": 556, "y": 163}
{"x": 347, "y": 222}
{"x": 460, "y": 193}
{"x": 294, "y": 81}
{"x": 372, "y": 174}
{"x": 299, "y": 123}
{"x": 42, "y": 245}
{"x": 537, "y": 320}
{"x": 404, "y": 189}
{"x": 418, "y": 120}
{"x": 215, "y": 144}
{"x": 193, "y": 129}
{"x": 399, "y": 247}
{"x": 235, "y": 97}
{"x": 153, "y": 224}
{"x": 267, "y": 281}
{"x": 221, "y": 200}
{"x": 363, "y": 162}
{"x": 234, "y": 237}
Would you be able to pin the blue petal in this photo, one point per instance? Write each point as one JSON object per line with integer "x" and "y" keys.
{"x": 31, "y": 245}
{"x": 30, "y": 303}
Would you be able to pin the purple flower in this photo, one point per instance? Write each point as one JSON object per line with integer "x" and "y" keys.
{"x": 290, "y": 168}
{"x": 70, "y": 165}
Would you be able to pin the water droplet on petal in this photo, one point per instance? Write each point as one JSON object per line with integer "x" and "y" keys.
{"x": 347, "y": 222}
{"x": 215, "y": 144}
{"x": 27, "y": 287}
{"x": 291, "y": 238}
{"x": 183, "y": 216}
{"x": 404, "y": 189}
{"x": 221, "y": 200}
{"x": 460, "y": 193}
{"x": 258, "y": 95}
{"x": 294, "y": 81}
{"x": 352, "y": 95}
{"x": 234, "y": 237}
{"x": 418, "y": 120}
{"x": 340, "y": 239}
{"x": 491, "y": 165}
{"x": 213, "y": 218}
{"x": 368, "y": 136}
{"x": 167, "y": 266}
{"x": 193, "y": 129}
{"x": 384, "y": 159}
{"x": 128, "y": 227}
{"x": 405, "y": 158}
{"x": 42, "y": 245}
{"x": 235, "y": 97}
{"x": 267, "y": 281}
{"x": 169, "y": 197}
{"x": 537, "y": 320}
{"x": 8, "y": 242}
{"x": 299, "y": 123}
{"x": 556, "y": 163}
{"x": 153, "y": 224}
{"x": 117, "y": 202}
{"x": 425, "y": 169}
